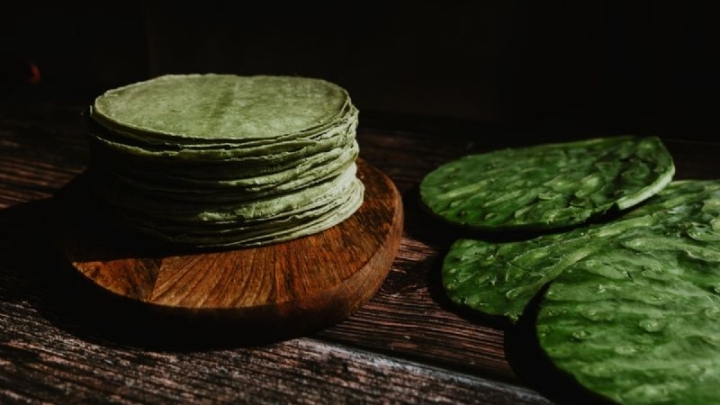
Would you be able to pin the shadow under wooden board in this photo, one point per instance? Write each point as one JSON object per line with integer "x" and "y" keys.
{"x": 284, "y": 289}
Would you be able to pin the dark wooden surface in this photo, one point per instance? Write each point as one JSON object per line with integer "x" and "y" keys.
{"x": 408, "y": 345}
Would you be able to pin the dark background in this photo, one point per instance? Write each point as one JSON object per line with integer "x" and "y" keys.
{"x": 579, "y": 67}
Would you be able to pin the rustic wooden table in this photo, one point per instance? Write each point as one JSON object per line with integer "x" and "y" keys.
{"x": 407, "y": 345}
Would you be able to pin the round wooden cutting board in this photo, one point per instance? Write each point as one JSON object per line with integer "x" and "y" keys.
{"x": 301, "y": 285}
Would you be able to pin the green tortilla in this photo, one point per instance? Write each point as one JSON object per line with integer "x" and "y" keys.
{"x": 213, "y": 107}
{"x": 547, "y": 186}
{"x": 223, "y": 234}
{"x": 342, "y": 132}
{"x": 321, "y": 194}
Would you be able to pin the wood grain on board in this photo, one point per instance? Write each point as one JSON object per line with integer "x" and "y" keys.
{"x": 303, "y": 284}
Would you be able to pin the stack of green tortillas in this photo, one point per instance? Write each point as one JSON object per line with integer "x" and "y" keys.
{"x": 632, "y": 303}
{"x": 224, "y": 160}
